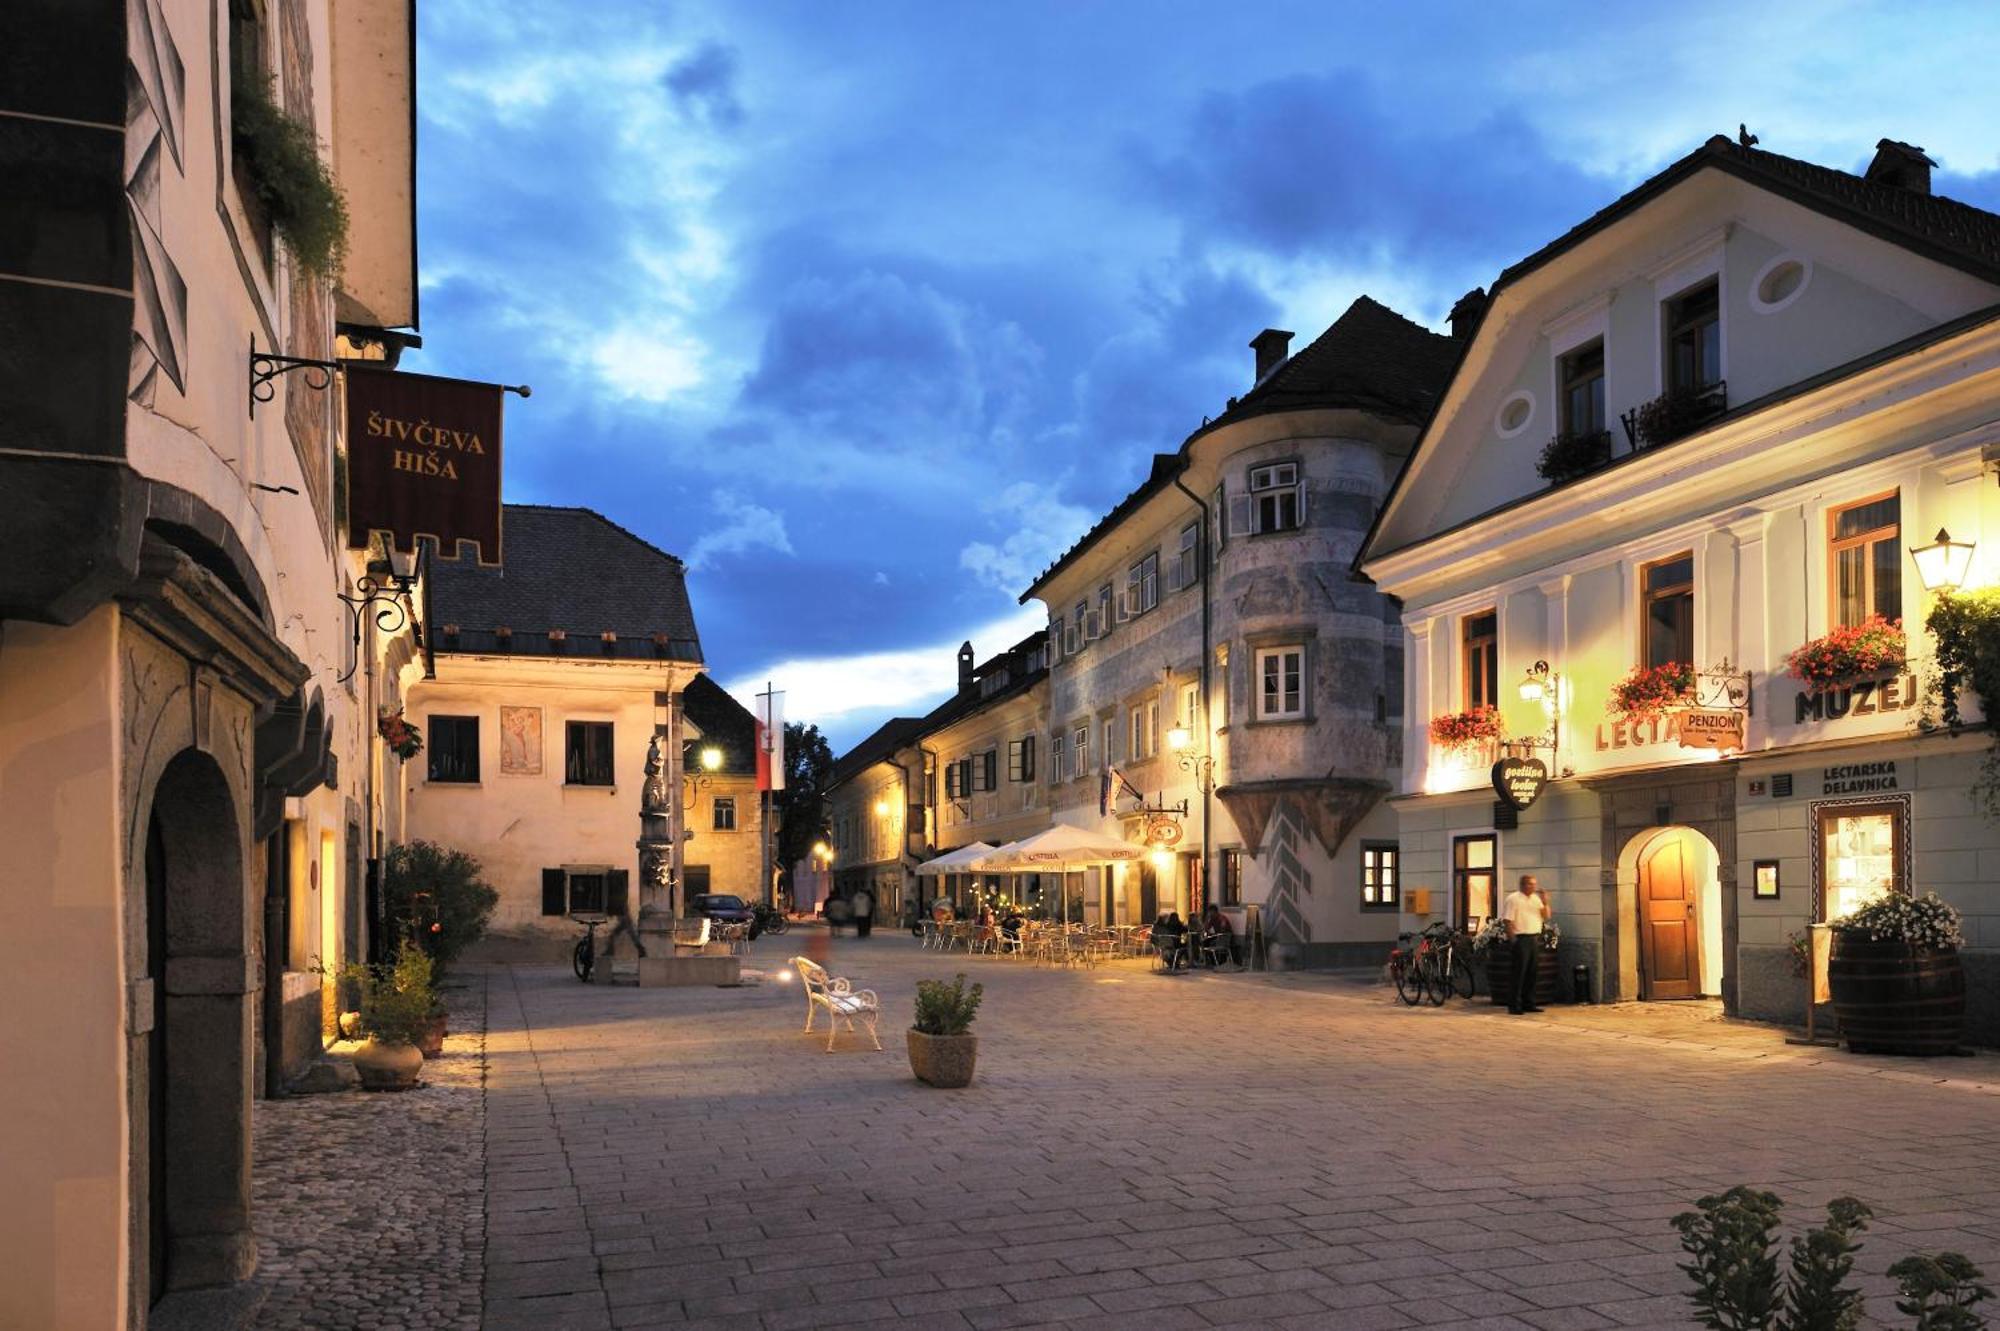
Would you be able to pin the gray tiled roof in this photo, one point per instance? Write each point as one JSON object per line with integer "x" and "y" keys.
{"x": 571, "y": 569}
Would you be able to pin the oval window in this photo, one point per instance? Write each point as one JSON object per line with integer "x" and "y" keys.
{"x": 1515, "y": 413}
{"x": 1779, "y": 284}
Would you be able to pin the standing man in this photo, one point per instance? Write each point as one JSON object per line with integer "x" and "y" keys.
{"x": 864, "y": 912}
{"x": 1526, "y": 911}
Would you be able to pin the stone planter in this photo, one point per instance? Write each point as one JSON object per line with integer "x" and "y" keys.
{"x": 943, "y": 1060}
{"x": 388, "y": 1067}
{"x": 1500, "y": 975}
{"x": 432, "y": 1045}
{"x": 1892, "y": 998}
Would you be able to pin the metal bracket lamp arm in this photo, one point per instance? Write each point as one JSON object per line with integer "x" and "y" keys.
{"x": 387, "y": 591}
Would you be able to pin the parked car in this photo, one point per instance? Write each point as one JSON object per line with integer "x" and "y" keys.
{"x": 723, "y": 908}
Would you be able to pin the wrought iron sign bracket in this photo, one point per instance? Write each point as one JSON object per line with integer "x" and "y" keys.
{"x": 1725, "y": 686}
{"x": 393, "y": 599}
{"x": 266, "y": 366}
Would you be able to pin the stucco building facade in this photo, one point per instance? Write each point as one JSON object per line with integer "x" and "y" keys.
{"x": 1785, "y": 379}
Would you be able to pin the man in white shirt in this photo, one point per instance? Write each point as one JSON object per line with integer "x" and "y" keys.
{"x": 1525, "y": 912}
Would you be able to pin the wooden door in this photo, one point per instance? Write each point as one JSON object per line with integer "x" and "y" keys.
{"x": 1669, "y": 936}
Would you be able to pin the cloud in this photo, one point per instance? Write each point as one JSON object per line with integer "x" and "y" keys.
{"x": 837, "y": 691}
{"x": 748, "y": 526}
{"x": 704, "y": 85}
{"x": 1041, "y": 527}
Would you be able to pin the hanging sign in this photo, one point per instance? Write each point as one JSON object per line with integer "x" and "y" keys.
{"x": 1718, "y": 728}
{"x": 1519, "y": 781}
{"x": 423, "y": 459}
{"x": 1163, "y": 830}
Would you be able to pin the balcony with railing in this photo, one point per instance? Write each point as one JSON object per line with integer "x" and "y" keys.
{"x": 1674, "y": 414}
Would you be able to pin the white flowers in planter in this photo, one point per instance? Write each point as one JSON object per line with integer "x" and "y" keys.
{"x": 1494, "y": 931}
{"x": 1926, "y": 921}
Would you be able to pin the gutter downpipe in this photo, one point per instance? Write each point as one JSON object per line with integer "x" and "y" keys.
{"x": 1206, "y": 778}
{"x": 904, "y": 859}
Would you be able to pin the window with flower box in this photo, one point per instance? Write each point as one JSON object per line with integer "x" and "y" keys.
{"x": 1667, "y": 591}
{"x": 1864, "y": 542}
{"x": 1482, "y": 660}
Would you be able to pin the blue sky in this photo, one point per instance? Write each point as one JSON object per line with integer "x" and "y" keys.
{"x": 867, "y": 310}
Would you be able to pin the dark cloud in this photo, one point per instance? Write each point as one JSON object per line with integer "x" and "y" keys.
{"x": 704, "y": 85}
{"x": 1323, "y": 165}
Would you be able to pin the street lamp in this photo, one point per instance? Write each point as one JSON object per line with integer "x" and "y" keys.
{"x": 1943, "y": 563}
{"x": 385, "y": 585}
{"x": 1180, "y": 740}
{"x": 1543, "y": 685}
{"x": 1535, "y": 684}
{"x": 710, "y": 761}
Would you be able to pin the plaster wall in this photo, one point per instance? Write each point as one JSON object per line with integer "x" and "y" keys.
{"x": 1012, "y": 809}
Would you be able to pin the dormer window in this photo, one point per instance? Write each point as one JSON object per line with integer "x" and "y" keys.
{"x": 1583, "y": 390}
{"x": 1694, "y": 339}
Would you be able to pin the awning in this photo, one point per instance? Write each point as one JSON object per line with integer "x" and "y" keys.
{"x": 1056, "y": 849}
{"x": 956, "y": 861}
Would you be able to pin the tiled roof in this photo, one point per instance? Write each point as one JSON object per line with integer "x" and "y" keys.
{"x": 570, "y": 569}
{"x": 1371, "y": 358}
{"x": 891, "y": 735}
{"x": 1940, "y": 228}
{"x": 974, "y": 699}
{"x": 723, "y": 722}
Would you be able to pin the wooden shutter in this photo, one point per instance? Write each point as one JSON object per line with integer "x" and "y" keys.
{"x": 992, "y": 770}
{"x": 1218, "y": 508}
{"x": 1239, "y": 516}
{"x": 618, "y": 892}
{"x": 555, "y": 891}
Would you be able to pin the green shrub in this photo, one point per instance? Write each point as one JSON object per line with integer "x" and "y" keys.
{"x": 438, "y": 896}
{"x": 1966, "y": 628}
{"x": 947, "y": 1009}
{"x": 397, "y": 1002}
{"x": 293, "y": 184}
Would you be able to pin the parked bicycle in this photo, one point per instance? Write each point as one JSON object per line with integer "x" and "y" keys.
{"x": 584, "y": 957}
{"x": 770, "y": 920}
{"x": 1448, "y": 962}
{"x": 1406, "y": 971}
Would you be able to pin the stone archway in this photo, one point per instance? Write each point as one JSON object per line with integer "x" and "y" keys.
{"x": 196, "y": 1174}
{"x": 1634, "y": 808}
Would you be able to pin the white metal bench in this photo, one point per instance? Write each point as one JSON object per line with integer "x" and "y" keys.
{"x": 840, "y": 999}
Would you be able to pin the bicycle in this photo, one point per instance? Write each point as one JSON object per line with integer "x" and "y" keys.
{"x": 1407, "y": 971}
{"x": 1448, "y": 955}
{"x": 584, "y": 957}
{"x": 770, "y": 920}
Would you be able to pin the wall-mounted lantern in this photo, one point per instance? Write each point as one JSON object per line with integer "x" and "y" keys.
{"x": 1944, "y": 563}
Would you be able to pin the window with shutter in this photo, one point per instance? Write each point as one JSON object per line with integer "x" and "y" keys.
{"x": 1218, "y": 517}
{"x": 555, "y": 891}
{"x": 586, "y": 893}
{"x": 991, "y": 763}
{"x": 951, "y": 781}
{"x": 1058, "y": 759}
{"x": 1027, "y": 758}
{"x": 1187, "y": 561}
{"x": 1014, "y": 760}
{"x": 1239, "y": 515}
{"x": 1277, "y": 494}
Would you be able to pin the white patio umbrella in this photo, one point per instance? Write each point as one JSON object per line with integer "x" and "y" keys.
{"x": 1058, "y": 849}
{"x": 956, "y": 861}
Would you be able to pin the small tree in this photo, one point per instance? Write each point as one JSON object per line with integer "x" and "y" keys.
{"x": 801, "y": 805}
{"x": 437, "y": 896}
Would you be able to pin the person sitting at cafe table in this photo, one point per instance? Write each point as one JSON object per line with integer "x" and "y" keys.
{"x": 1170, "y": 937}
{"x": 1218, "y": 937}
{"x": 1010, "y": 924}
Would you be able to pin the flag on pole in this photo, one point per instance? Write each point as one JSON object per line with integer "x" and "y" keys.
{"x": 770, "y": 740}
{"x": 1109, "y": 785}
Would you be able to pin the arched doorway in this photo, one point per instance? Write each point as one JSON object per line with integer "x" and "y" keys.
{"x": 196, "y": 1057}
{"x": 1670, "y": 907}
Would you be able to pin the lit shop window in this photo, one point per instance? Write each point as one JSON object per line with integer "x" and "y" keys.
{"x": 1861, "y": 855}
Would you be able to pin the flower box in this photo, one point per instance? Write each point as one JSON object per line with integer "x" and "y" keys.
{"x": 1652, "y": 691}
{"x": 1464, "y": 730}
{"x": 1875, "y": 646}
{"x": 1568, "y": 456}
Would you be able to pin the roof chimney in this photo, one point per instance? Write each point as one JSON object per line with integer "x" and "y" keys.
{"x": 1465, "y": 315}
{"x": 1272, "y": 346}
{"x": 1903, "y": 165}
{"x": 964, "y": 666}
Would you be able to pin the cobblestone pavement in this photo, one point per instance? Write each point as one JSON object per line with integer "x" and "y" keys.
{"x": 368, "y": 1206}
{"x": 1169, "y": 1152}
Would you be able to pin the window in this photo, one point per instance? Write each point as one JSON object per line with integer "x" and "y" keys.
{"x": 1142, "y": 585}
{"x": 985, "y": 770}
{"x": 1276, "y": 498}
{"x": 587, "y": 754}
{"x": 1188, "y": 712}
{"x": 1056, "y": 640}
{"x": 1583, "y": 390}
{"x": 1187, "y": 561}
{"x": 1280, "y": 682}
{"x": 1109, "y": 725}
{"x": 1105, "y": 610}
{"x": 1475, "y": 869}
{"x": 1668, "y": 591}
{"x": 1694, "y": 340}
{"x": 1861, "y": 855}
{"x": 1084, "y": 627}
{"x": 1021, "y": 759}
{"x": 1057, "y": 758}
{"x": 586, "y": 893}
{"x": 1867, "y": 552}
{"x": 1482, "y": 659}
{"x": 1230, "y": 880}
{"x": 1378, "y": 876}
{"x": 454, "y": 748}
{"x": 1080, "y": 754}
{"x": 724, "y": 810}
{"x": 1145, "y": 725}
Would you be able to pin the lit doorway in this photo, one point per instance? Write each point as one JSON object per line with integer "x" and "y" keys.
{"x": 1670, "y": 907}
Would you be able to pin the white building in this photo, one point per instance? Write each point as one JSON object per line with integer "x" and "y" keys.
{"x": 1765, "y": 381}
{"x": 1218, "y": 599}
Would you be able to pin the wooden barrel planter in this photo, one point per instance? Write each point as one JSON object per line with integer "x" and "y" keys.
{"x": 1892, "y": 998}
{"x": 1500, "y": 975}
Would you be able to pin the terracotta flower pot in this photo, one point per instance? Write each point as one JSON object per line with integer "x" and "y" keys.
{"x": 432, "y": 1045}
{"x": 388, "y": 1067}
{"x": 943, "y": 1060}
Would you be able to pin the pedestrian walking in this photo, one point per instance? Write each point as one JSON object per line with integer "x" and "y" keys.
{"x": 1526, "y": 911}
{"x": 864, "y": 912}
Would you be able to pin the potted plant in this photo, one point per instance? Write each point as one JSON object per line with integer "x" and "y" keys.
{"x": 1492, "y": 943}
{"x": 401, "y": 737}
{"x": 1676, "y": 413}
{"x": 1852, "y": 651}
{"x": 1568, "y": 456}
{"x": 397, "y": 1012}
{"x": 1464, "y": 730}
{"x": 1898, "y": 984}
{"x": 942, "y": 1048}
{"x": 1647, "y": 692}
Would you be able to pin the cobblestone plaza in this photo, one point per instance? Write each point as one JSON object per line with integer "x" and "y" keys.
{"x": 1209, "y": 1150}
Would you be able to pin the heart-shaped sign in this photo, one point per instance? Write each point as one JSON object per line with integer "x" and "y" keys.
{"x": 1519, "y": 781}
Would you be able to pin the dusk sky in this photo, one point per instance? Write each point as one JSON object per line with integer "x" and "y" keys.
{"x": 868, "y": 310}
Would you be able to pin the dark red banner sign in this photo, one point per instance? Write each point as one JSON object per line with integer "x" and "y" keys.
{"x": 423, "y": 459}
